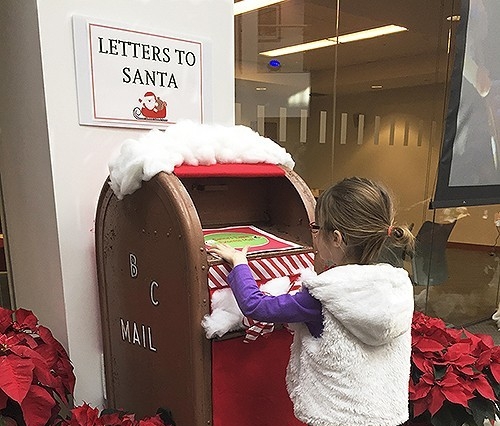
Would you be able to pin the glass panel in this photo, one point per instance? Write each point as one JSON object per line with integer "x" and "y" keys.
{"x": 456, "y": 278}
{"x": 280, "y": 96}
{"x": 373, "y": 107}
{"x": 391, "y": 97}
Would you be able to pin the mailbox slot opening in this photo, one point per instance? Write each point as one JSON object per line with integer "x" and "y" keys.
{"x": 270, "y": 203}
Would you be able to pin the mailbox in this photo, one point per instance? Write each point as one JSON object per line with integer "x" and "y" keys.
{"x": 155, "y": 282}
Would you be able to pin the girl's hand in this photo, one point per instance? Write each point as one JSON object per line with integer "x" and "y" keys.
{"x": 230, "y": 254}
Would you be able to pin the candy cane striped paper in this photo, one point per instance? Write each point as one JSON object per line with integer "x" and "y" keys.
{"x": 263, "y": 269}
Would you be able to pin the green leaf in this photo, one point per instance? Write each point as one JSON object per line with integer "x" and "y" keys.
{"x": 445, "y": 417}
{"x": 482, "y": 409}
{"x": 439, "y": 371}
{"x": 494, "y": 385}
{"x": 453, "y": 415}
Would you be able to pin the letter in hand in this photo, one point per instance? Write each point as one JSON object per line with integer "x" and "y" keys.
{"x": 230, "y": 254}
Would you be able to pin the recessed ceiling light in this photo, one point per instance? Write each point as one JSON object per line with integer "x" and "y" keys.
{"x": 299, "y": 48}
{"x": 260, "y": 89}
{"x": 331, "y": 41}
{"x": 244, "y": 6}
{"x": 371, "y": 33}
{"x": 377, "y": 86}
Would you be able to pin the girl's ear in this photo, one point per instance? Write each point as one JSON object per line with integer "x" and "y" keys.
{"x": 337, "y": 238}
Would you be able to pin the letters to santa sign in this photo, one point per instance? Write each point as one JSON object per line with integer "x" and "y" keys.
{"x": 136, "y": 77}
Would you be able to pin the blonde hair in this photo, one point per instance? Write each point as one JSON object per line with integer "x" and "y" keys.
{"x": 363, "y": 212}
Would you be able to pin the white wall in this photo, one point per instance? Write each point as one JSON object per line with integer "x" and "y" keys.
{"x": 52, "y": 169}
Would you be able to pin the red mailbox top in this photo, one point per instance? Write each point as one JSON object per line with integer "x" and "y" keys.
{"x": 230, "y": 170}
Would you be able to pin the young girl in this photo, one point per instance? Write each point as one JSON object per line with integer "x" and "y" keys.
{"x": 350, "y": 357}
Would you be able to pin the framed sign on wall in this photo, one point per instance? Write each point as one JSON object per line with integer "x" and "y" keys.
{"x": 131, "y": 77}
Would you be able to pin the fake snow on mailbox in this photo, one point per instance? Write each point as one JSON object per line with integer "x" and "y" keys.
{"x": 171, "y": 337}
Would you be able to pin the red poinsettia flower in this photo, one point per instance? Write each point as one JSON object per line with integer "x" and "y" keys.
{"x": 36, "y": 373}
{"x": 479, "y": 342}
{"x": 479, "y": 383}
{"x": 5, "y": 320}
{"x": 457, "y": 354}
{"x": 151, "y": 421}
{"x": 436, "y": 391}
{"x": 490, "y": 359}
{"x": 111, "y": 419}
{"x": 452, "y": 367}
{"x": 85, "y": 415}
{"x": 25, "y": 320}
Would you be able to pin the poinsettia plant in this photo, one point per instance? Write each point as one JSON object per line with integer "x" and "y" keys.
{"x": 85, "y": 415}
{"x": 36, "y": 375}
{"x": 455, "y": 375}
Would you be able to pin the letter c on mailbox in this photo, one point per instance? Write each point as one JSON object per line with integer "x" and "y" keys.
{"x": 151, "y": 293}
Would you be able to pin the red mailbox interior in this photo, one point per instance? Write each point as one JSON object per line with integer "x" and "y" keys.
{"x": 248, "y": 378}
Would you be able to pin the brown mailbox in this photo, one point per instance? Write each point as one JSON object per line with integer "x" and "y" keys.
{"x": 155, "y": 283}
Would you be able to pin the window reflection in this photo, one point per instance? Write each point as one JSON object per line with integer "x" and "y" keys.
{"x": 371, "y": 107}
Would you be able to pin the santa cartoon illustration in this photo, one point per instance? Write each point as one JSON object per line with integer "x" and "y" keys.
{"x": 152, "y": 107}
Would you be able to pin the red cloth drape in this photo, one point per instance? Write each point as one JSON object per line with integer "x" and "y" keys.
{"x": 248, "y": 382}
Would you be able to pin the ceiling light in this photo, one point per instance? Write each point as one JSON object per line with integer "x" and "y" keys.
{"x": 261, "y": 89}
{"x": 299, "y": 48}
{"x": 346, "y": 38}
{"x": 377, "y": 86}
{"x": 244, "y": 6}
{"x": 372, "y": 33}
{"x": 453, "y": 18}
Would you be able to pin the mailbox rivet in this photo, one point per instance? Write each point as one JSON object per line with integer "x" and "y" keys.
{"x": 168, "y": 234}
{"x": 204, "y": 300}
{"x": 202, "y": 249}
{"x": 202, "y": 267}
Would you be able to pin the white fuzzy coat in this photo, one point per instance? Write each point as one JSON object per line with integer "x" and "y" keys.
{"x": 357, "y": 372}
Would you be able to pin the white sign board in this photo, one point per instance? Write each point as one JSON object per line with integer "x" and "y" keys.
{"x": 136, "y": 77}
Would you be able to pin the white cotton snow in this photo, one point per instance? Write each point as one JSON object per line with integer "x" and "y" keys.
{"x": 192, "y": 144}
{"x": 226, "y": 315}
